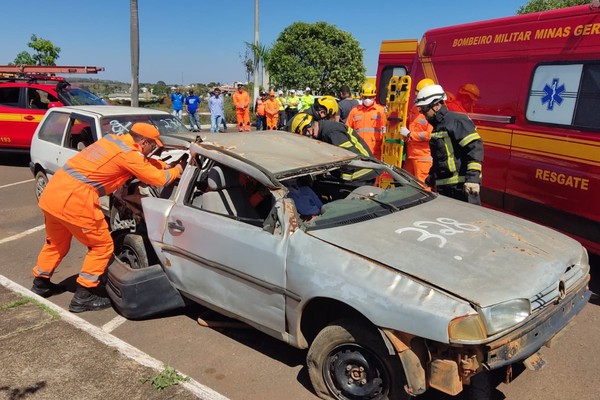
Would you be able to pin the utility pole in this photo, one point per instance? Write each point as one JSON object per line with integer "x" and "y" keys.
{"x": 255, "y": 91}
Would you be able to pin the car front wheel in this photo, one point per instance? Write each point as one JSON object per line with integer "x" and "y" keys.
{"x": 41, "y": 180}
{"x": 348, "y": 361}
{"x": 133, "y": 251}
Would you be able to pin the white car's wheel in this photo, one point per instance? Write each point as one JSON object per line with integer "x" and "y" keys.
{"x": 348, "y": 360}
{"x": 41, "y": 180}
{"x": 133, "y": 251}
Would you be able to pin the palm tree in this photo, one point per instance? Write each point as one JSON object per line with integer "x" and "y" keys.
{"x": 135, "y": 53}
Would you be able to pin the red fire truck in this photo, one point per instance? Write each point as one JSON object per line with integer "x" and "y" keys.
{"x": 531, "y": 84}
{"x": 27, "y": 91}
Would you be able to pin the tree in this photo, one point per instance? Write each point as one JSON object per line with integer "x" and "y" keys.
{"x": 46, "y": 53}
{"x": 135, "y": 53}
{"x": 260, "y": 55}
{"x": 544, "y": 5}
{"x": 317, "y": 55}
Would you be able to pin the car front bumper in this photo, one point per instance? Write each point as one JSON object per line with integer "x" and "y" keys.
{"x": 139, "y": 293}
{"x": 529, "y": 338}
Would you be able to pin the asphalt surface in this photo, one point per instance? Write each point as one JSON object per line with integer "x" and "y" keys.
{"x": 48, "y": 353}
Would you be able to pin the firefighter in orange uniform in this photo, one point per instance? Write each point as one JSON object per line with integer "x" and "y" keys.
{"x": 241, "y": 101}
{"x": 418, "y": 156}
{"x": 272, "y": 111}
{"x": 71, "y": 206}
{"x": 368, "y": 120}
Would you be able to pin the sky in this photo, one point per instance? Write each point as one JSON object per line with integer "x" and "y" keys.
{"x": 183, "y": 42}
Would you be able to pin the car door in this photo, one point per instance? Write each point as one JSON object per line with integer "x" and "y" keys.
{"x": 227, "y": 263}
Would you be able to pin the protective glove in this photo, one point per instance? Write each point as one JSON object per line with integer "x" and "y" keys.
{"x": 471, "y": 188}
{"x": 404, "y": 131}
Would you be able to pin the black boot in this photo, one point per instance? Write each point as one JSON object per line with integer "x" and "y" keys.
{"x": 43, "y": 287}
{"x": 85, "y": 300}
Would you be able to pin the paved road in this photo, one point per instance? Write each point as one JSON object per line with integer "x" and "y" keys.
{"x": 244, "y": 364}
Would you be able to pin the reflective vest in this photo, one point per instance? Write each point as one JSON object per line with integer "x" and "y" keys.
{"x": 293, "y": 102}
{"x": 307, "y": 101}
{"x": 281, "y": 102}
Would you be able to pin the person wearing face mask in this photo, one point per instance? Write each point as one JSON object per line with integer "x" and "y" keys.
{"x": 369, "y": 120}
{"x": 71, "y": 206}
{"x": 455, "y": 145}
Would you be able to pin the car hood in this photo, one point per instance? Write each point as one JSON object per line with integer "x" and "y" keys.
{"x": 481, "y": 255}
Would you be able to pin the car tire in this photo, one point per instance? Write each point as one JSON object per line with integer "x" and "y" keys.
{"x": 41, "y": 180}
{"x": 135, "y": 251}
{"x": 348, "y": 360}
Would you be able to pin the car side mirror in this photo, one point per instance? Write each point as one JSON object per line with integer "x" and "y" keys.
{"x": 54, "y": 104}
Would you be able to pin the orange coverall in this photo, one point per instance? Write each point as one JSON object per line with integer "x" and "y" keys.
{"x": 272, "y": 112}
{"x": 369, "y": 123}
{"x": 418, "y": 156}
{"x": 71, "y": 202}
{"x": 241, "y": 101}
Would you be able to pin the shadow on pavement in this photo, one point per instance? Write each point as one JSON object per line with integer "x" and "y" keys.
{"x": 15, "y": 159}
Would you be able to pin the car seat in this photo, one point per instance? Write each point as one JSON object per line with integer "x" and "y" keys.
{"x": 83, "y": 139}
{"x": 225, "y": 195}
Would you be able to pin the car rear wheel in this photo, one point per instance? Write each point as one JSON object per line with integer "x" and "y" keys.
{"x": 348, "y": 361}
{"x": 134, "y": 251}
{"x": 41, "y": 180}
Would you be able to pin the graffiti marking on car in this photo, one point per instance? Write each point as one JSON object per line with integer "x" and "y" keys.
{"x": 446, "y": 229}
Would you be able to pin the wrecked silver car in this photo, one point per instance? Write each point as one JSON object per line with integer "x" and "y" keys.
{"x": 392, "y": 291}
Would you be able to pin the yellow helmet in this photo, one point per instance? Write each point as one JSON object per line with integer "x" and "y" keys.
{"x": 329, "y": 103}
{"x": 368, "y": 90}
{"x": 424, "y": 82}
{"x": 300, "y": 122}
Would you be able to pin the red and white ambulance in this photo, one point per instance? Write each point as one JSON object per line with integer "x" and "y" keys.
{"x": 531, "y": 84}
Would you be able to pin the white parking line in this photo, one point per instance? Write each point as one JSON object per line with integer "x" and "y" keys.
{"x": 201, "y": 391}
{"x": 22, "y": 234}
{"x": 16, "y": 183}
{"x": 113, "y": 324}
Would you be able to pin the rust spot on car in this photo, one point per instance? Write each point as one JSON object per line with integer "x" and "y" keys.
{"x": 289, "y": 209}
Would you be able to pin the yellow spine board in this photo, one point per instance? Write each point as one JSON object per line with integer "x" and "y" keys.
{"x": 396, "y": 112}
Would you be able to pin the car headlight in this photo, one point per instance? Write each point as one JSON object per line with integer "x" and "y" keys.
{"x": 504, "y": 315}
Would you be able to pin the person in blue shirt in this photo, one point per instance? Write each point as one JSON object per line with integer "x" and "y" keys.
{"x": 217, "y": 109}
{"x": 193, "y": 102}
{"x": 177, "y": 100}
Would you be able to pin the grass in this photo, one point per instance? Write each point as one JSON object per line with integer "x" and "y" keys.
{"x": 168, "y": 377}
{"x": 26, "y": 300}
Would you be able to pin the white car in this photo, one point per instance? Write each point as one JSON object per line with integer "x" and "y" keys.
{"x": 392, "y": 291}
{"x": 64, "y": 131}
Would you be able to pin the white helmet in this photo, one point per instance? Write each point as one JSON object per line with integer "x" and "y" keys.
{"x": 307, "y": 89}
{"x": 430, "y": 95}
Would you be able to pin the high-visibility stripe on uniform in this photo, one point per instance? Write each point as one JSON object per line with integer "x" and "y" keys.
{"x": 84, "y": 179}
{"x": 357, "y": 174}
{"x": 474, "y": 166}
{"x": 89, "y": 277}
{"x": 468, "y": 139}
{"x": 450, "y": 181}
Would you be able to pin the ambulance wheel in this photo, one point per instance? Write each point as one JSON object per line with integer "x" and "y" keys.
{"x": 348, "y": 360}
{"x": 41, "y": 180}
{"x": 135, "y": 251}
